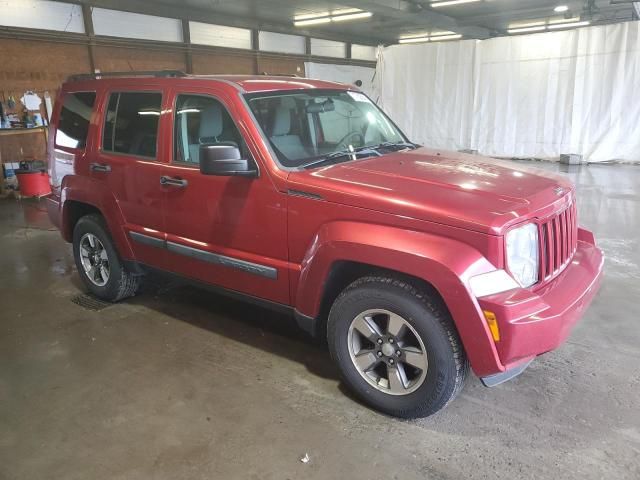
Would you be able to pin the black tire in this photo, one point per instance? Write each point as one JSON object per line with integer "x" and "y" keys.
{"x": 447, "y": 367}
{"x": 121, "y": 283}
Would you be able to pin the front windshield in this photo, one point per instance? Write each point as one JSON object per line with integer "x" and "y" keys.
{"x": 305, "y": 127}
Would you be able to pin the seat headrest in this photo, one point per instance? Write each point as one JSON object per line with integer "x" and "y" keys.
{"x": 281, "y": 121}
{"x": 210, "y": 122}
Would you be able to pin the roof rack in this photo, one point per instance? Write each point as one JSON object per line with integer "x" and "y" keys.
{"x": 280, "y": 74}
{"x": 150, "y": 73}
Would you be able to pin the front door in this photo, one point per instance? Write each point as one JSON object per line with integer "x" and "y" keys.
{"x": 227, "y": 231}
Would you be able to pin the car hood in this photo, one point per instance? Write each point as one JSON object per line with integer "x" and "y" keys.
{"x": 457, "y": 189}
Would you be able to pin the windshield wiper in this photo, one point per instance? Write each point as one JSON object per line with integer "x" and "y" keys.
{"x": 342, "y": 153}
{"x": 401, "y": 145}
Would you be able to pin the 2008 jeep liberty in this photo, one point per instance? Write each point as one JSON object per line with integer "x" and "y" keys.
{"x": 304, "y": 196}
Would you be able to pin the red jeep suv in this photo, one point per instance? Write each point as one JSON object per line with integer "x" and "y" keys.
{"x": 303, "y": 196}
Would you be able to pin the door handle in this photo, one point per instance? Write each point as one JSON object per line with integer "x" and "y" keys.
{"x": 173, "y": 182}
{"x": 100, "y": 167}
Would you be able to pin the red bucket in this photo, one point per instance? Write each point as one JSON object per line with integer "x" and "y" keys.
{"x": 33, "y": 183}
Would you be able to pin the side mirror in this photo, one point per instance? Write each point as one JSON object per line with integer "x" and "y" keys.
{"x": 224, "y": 159}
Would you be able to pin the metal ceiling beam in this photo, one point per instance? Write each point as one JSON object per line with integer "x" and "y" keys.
{"x": 399, "y": 9}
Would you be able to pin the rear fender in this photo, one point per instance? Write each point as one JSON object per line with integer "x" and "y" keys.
{"x": 445, "y": 263}
{"x": 91, "y": 192}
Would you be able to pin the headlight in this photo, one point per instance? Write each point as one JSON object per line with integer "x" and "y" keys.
{"x": 522, "y": 254}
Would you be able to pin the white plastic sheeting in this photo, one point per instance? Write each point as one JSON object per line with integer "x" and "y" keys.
{"x": 344, "y": 74}
{"x": 540, "y": 95}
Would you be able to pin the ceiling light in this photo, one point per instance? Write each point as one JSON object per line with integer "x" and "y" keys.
{"x": 527, "y": 29}
{"x": 559, "y": 26}
{"x": 447, "y": 3}
{"x": 426, "y": 38}
{"x": 537, "y": 23}
{"x": 439, "y": 38}
{"x": 344, "y": 11}
{"x": 414, "y": 40}
{"x": 326, "y": 17}
{"x": 351, "y": 16}
{"x": 561, "y": 9}
{"x": 311, "y": 21}
{"x": 308, "y": 16}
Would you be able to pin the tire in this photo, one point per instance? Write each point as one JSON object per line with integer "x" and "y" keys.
{"x": 416, "y": 392}
{"x": 118, "y": 283}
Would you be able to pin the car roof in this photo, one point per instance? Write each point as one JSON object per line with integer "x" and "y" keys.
{"x": 244, "y": 83}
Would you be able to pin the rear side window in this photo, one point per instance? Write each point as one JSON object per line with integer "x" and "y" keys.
{"x": 131, "y": 123}
{"x": 75, "y": 116}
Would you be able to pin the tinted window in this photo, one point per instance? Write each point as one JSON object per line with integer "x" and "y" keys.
{"x": 131, "y": 123}
{"x": 202, "y": 120}
{"x": 75, "y": 117}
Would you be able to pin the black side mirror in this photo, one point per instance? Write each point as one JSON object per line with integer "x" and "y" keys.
{"x": 225, "y": 159}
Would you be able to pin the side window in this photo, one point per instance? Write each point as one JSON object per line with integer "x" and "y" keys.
{"x": 131, "y": 123}
{"x": 202, "y": 120}
{"x": 75, "y": 116}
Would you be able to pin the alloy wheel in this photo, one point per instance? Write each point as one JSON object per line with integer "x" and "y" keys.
{"x": 387, "y": 352}
{"x": 95, "y": 260}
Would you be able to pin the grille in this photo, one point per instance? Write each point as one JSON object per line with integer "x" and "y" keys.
{"x": 559, "y": 241}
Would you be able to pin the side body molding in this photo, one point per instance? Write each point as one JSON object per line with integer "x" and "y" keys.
{"x": 445, "y": 263}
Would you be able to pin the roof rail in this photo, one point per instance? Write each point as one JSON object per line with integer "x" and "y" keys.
{"x": 150, "y": 73}
{"x": 280, "y": 74}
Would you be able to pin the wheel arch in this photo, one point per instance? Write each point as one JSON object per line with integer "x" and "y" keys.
{"x": 341, "y": 252}
{"x": 82, "y": 196}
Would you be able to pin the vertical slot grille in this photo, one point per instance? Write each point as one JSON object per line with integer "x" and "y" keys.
{"x": 558, "y": 240}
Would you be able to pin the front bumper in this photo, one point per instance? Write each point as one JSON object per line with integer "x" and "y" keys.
{"x": 533, "y": 322}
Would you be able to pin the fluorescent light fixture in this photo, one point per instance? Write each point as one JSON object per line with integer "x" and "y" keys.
{"x": 447, "y": 3}
{"x": 414, "y": 40}
{"x": 344, "y": 11}
{"x": 561, "y": 9}
{"x": 429, "y": 38}
{"x": 311, "y": 21}
{"x": 559, "y": 26}
{"x": 148, "y": 112}
{"x": 536, "y": 23}
{"x": 308, "y": 16}
{"x": 440, "y": 38}
{"x": 527, "y": 29}
{"x": 563, "y": 20}
{"x": 326, "y": 17}
{"x": 414, "y": 35}
{"x": 351, "y": 16}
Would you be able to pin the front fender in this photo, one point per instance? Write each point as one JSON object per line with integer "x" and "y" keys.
{"x": 445, "y": 263}
{"x": 95, "y": 193}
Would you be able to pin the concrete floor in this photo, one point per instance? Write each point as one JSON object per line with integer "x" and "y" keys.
{"x": 177, "y": 383}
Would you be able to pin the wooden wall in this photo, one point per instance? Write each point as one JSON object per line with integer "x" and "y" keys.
{"x": 38, "y": 66}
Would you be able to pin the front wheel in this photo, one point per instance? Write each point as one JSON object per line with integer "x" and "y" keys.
{"x": 396, "y": 347}
{"x": 98, "y": 263}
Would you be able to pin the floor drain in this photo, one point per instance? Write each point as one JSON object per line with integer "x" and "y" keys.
{"x": 90, "y": 303}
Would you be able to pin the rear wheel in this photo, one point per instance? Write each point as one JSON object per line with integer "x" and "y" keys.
{"x": 396, "y": 347}
{"x": 98, "y": 263}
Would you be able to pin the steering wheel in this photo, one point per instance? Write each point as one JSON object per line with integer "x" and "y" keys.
{"x": 343, "y": 140}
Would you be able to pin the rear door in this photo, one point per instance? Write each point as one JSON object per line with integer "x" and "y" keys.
{"x": 227, "y": 231}
{"x": 131, "y": 159}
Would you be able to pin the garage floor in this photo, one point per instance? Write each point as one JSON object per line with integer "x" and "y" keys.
{"x": 178, "y": 383}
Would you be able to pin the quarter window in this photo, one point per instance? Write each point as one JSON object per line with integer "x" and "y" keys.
{"x": 202, "y": 120}
{"x": 75, "y": 116}
{"x": 131, "y": 123}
